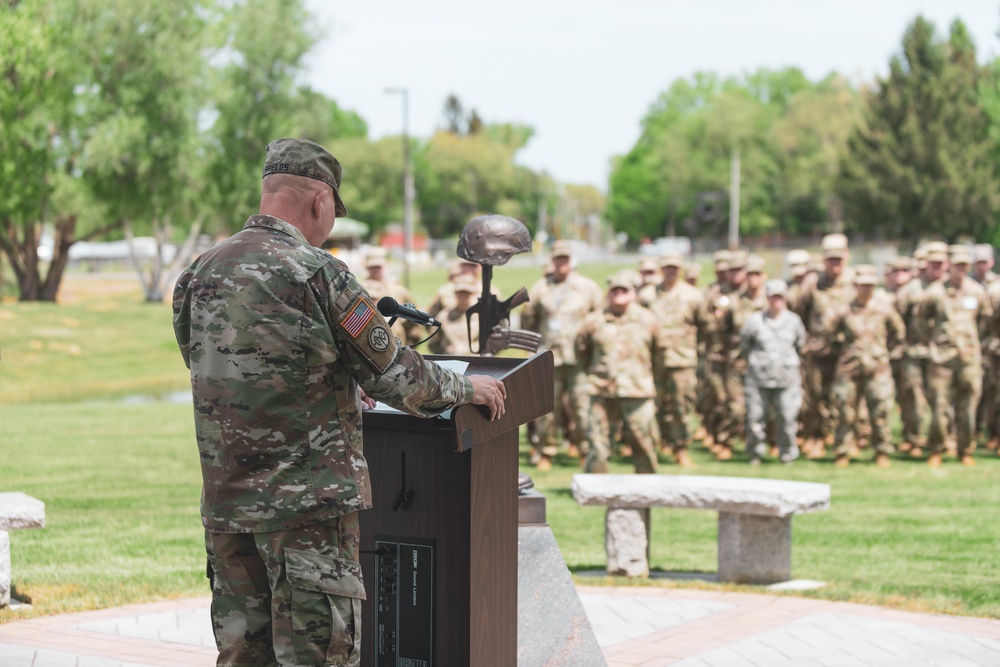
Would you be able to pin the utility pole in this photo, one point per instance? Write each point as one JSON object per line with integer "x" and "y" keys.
{"x": 734, "y": 202}
{"x": 408, "y": 190}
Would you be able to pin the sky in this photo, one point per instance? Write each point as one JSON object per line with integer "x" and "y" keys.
{"x": 584, "y": 73}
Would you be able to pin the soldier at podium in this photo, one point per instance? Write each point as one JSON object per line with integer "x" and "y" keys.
{"x": 285, "y": 348}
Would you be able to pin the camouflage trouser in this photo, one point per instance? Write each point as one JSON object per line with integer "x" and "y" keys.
{"x": 849, "y": 394}
{"x": 675, "y": 396}
{"x": 569, "y": 389}
{"x": 291, "y": 597}
{"x": 821, "y": 421}
{"x": 730, "y": 406}
{"x": 912, "y": 397}
{"x": 638, "y": 418}
{"x": 784, "y": 403}
{"x": 954, "y": 387}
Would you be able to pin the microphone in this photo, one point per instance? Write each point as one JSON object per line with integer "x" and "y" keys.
{"x": 389, "y": 307}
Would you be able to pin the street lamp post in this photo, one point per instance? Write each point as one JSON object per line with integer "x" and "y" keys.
{"x": 407, "y": 185}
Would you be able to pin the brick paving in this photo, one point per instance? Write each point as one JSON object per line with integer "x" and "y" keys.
{"x": 635, "y": 627}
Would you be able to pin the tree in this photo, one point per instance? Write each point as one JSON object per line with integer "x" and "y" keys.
{"x": 922, "y": 162}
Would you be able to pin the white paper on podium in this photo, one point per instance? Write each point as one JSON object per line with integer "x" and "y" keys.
{"x": 455, "y": 365}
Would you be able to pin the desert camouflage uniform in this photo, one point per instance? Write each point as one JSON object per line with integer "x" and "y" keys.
{"x": 817, "y": 305}
{"x": 992, "y": 351}
{"x": 770, "y": 347}
{"x": 280, "y": 338}
{"x": 957, "y": 317}
{"x": 911, "y": 393}
{"x": 866, "y": 338}
{"x": 683, "y": 318}
{"x": 454, "y": 335}
{"x": 556, "y": 311}
{"x": 719, "y": 298}
{"x": 616, "y": 358}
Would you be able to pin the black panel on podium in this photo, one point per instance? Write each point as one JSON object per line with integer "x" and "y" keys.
{"x": 442, "y": 581}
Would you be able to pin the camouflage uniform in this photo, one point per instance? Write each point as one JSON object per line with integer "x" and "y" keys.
{"x": 555, "y": 311}
{"x": 615, "y": 353}
{"x": 280, "y": 338}
{"x": 992, "y": 351}
{"x": 819, "y": 301}
{"x": 866, "y": 337}
{"x": 453, "y": 338}
{"x": 682, "y": 315}
{"x": 911, "y": 391}
{"x": 408, "y": 332}
{"x": 956, "y": 316}
{"x": 770, "y": 346}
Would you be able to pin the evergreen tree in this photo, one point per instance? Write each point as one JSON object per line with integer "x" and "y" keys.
{"x": 920, "y": 163}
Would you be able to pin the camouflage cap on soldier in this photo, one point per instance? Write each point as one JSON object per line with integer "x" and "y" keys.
{"x": 301, "y": 157}
{"x": 737, "y": 260}
{"x": 721, "y": 260}
{"x": 898, "y": 263}
{"x": 692, "y": 269}
{"x": 776, "y": 288}
{"x": 648, "y": 265}
{"x": 815, "y": 264}
{"x": 959, "y": 254}
{"x": 834, "y": 246}
{"x": 937, "y": 251}
{"x": 465, "y": 283}
{"x": 625, "y": 279}
{"x": 983, "y": 252}
{"x": 865, "y": 274}
{"x": 756, "y": 264}
{"x": 561, "y": 248}
{"x": 672, "y": 259}
{"x": 797, "y": 257}
{"x": 373, "y": 261}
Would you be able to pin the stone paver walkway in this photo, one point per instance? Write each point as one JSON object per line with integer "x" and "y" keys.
{"x": 648, "y": 627}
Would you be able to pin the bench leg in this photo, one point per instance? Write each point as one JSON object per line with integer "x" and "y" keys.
{"x": 626, "y": 542}
{"x": 4, "y": 569}
{"x": 754, "y": 549}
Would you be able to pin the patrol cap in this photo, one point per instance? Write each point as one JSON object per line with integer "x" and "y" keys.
{"x": 721, "y": 260}
{"x": 756, "y": 264}
{"x": 648, "y": 264}
{"x": 301, "y": 157}
{"x": 561, "y": 248}
{"x": 799, "y": 270}
{"x": 692, "y": 269}
{"x": 373, "y": 261}
{"x": 898, "y": 264}
{"x": 960, "y": 255}
{"x": 776, "y": 287}
{"x": 737, "y": 260}
{"x": 937, "y": 251}
{"x": 983, "y": 252}
{"x": 625, "y": 279}
{"x": 672, "y": 259}
{"x": 465, "y": 283}
{"x": 815, "y": 264}
{"x": 834, "y": 246}
{"x": 797, "y": 257}
{"x": 865, "y": 274}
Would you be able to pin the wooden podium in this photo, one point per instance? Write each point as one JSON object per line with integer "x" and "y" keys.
{"x": 439, "y": 547}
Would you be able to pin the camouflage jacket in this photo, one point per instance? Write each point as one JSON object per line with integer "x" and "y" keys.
{"x": 818, "y": 304}
{"x": 719, "y": 299}
{"x": 957, "y": 318}
{"x": 991, "y": 342}
{"x": 867, "y": 337}
{"x": 771, "y": 346}
{"x": 279, "y": 337}
{"x": 407, "y": 331}
{"x": 615, "y": 352}
{"x": 683, "y": 318}
{"x": 454, "y": 335}
{"x": 908, "y": 300}
{"x": 556, "y": 311}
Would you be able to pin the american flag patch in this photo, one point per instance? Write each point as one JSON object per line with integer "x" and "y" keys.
{"x": 356, "y": 321}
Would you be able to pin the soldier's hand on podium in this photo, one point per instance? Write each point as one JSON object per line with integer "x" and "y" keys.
{"x": 367, "y": 402}
{"x": 490, "y": 392}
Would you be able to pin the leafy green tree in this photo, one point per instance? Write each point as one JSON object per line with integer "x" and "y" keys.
{"x": 922, "y": 161}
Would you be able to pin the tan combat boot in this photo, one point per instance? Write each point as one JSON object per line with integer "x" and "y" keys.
{"x": 723, "y": 453}
{"x": 544, "y": 463}
{"x": 573, "y": 451}
{"x": 993, "y": 444}
{"x": 904, "y": 447}
{"x": 843, "y": 461}
{"x": 882, "y": 461}
{"x": 934, "y": 460}
{"x": 967, "y": 460}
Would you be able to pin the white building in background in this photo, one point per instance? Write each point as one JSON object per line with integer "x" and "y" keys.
{"x": 107, "y": 252}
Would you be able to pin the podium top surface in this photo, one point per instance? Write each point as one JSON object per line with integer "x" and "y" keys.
{"x": 529, "y": 396}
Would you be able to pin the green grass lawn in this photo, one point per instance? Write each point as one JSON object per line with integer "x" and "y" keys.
{"x": 120, "y": 482}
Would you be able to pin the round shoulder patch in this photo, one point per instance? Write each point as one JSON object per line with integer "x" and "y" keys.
{"x": 379, "y": 339}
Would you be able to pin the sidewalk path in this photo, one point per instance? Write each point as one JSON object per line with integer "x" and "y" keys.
{"x": 635, "y": 626}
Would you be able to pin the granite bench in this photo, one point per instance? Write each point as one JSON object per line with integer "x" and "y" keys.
{"x": 755, "y": 519}
{"x": 17, "y": 511}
